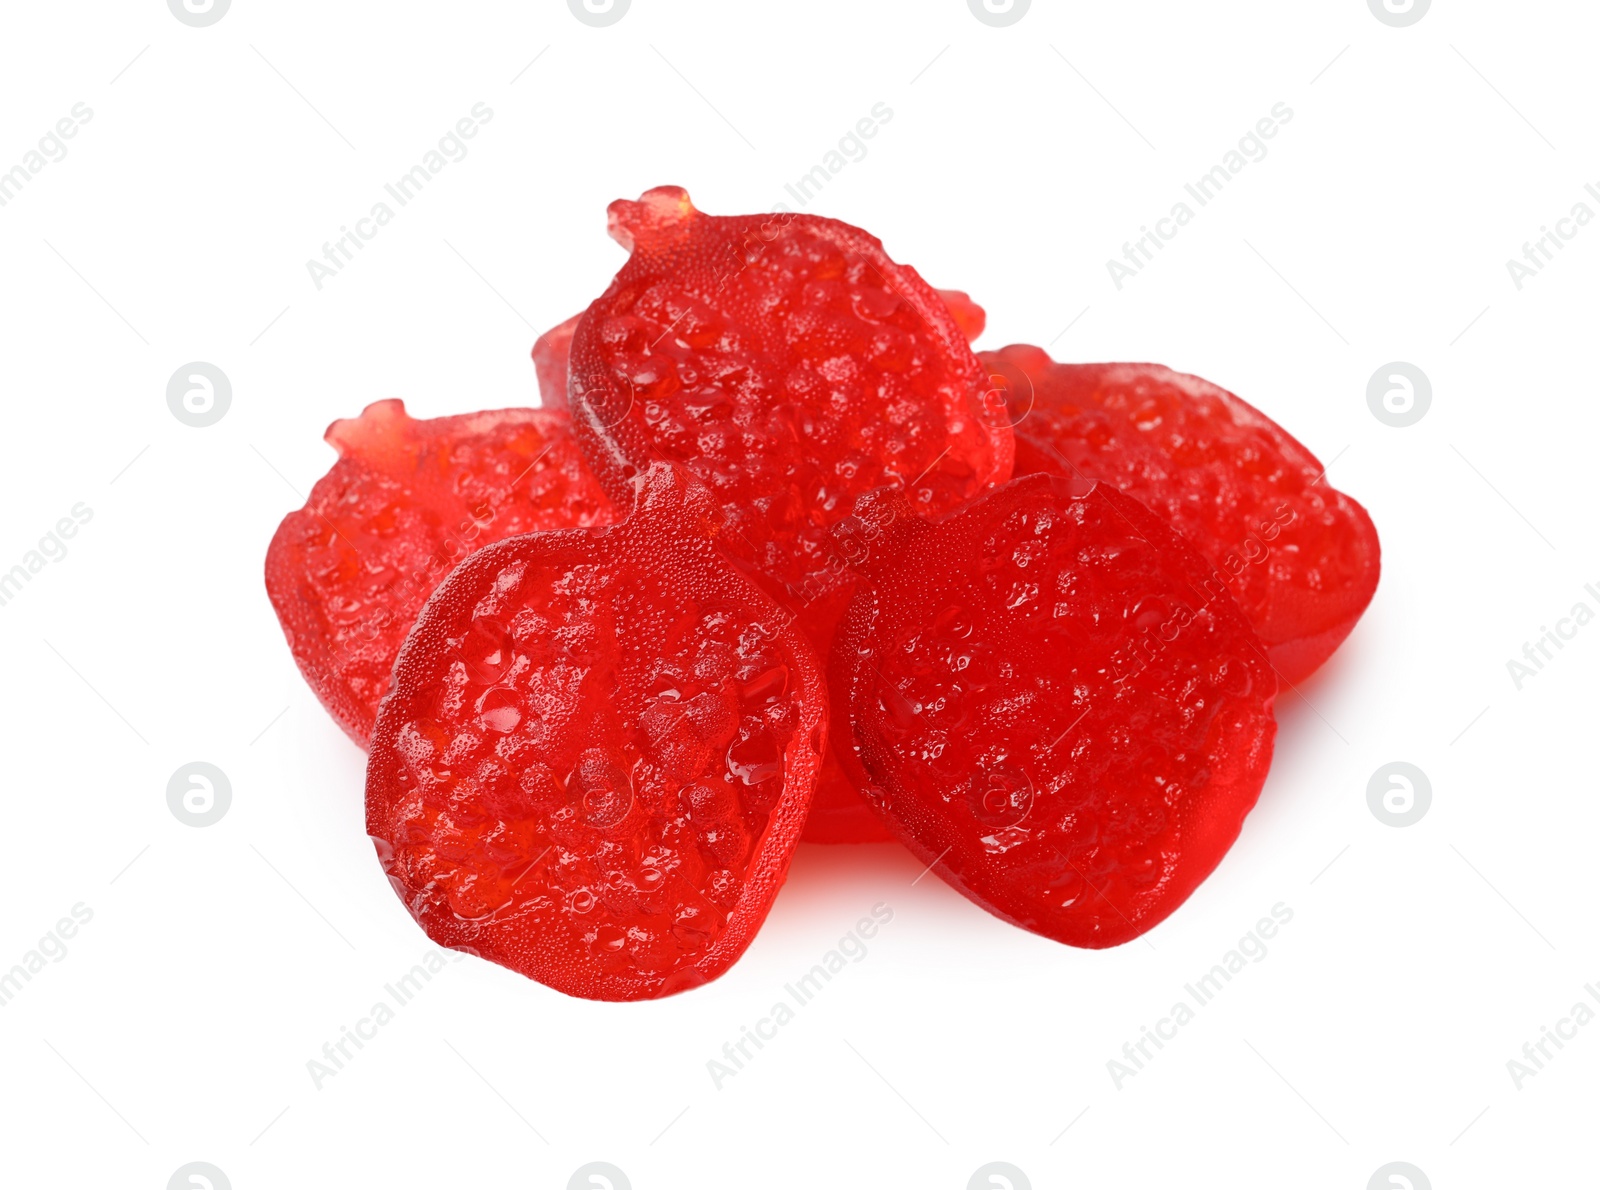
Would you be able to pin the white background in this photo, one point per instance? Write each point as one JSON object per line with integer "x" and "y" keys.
{"x": 219, "y": 960}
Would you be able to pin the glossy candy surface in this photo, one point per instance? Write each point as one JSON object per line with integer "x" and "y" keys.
{"x": 599, "y": 753}
{"x": 1057, "y": 702}
{"x": 550, "y": 353}
{"x": 838, "y": 815}
{"x": 789, "y": 363}
{"x": 792, "y": 366}
{"x": 1300, "y": 557}
{"x": 407, "y": 500}
{"x": 551, "y": 349}
{"x": 969, "y": 316}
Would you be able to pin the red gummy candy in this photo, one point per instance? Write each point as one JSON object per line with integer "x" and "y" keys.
{"x": 838, "y": 815}
{"x": 406, "y": 501}
{"x": 1060, "y": 706}
{"x": 550, "y": 352}
{"x": 1301, "y": 558}
{"x": 551, "y": 349}
{"x": 969, "y": 316}
{"x": 792, "y": 366}
{"x": 789, "y": 363}
{"x": 599, "y": 753}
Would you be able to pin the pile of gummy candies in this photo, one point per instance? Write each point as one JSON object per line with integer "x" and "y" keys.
{"x": 780, "y": 559}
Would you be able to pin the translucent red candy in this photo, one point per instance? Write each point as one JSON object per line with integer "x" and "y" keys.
{"x": 406, "y": 501}
{"x": 1301, "y": 558}
{"x": 1058, "y": 703}
{"x": 792, "y": 366}
{"x": 838, "y": 815}
{"x": 969, "y": 316}
{"x": 550, "y": 352}
{"x": 789, "y": 363}
{"x": 599, "y": 753}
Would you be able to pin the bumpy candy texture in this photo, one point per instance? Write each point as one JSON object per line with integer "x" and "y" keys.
{"x": 599, "y": 753}
{"x": 838, "y": 815}
{"x": 551, "y": 349}
{"x": 407, "y": 500}
{"x": 792, "y": 366}
{"x": 1301, "y": 558}
{"x": 1058, "y": 704}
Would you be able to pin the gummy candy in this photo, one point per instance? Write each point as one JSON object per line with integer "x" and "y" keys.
{"x": 1301, "y": 558}
{"x": 1059, "y": 705}
{"x": 787, "y": 362}
{"x": 969, "y": 316}
{"x": 550, "y": 352}
{"x": 599, "y": 752}
{"x": 406, "y": 501}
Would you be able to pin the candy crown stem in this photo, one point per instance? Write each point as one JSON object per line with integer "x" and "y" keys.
{"x": 659, "y": 218}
